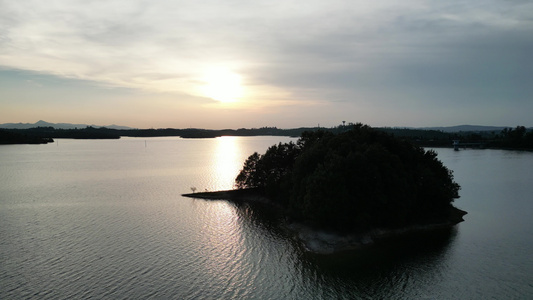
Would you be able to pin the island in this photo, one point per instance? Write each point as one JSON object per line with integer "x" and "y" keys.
{"x": 343, "y": 190}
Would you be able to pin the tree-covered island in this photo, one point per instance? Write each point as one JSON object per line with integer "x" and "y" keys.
{"x": 352, "y": 182}
{"x": 355, "y": 180}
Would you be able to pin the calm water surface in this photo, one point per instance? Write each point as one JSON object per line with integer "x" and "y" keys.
{"x": 105, "y": 219}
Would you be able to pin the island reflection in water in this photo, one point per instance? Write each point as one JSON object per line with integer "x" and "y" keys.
{"x": 372, "y": 270}
{"x": 384, "y": 255}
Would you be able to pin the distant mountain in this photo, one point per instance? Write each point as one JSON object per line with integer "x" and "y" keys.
{"x": 460, "y": 128}
{"x": 42, "y": 123}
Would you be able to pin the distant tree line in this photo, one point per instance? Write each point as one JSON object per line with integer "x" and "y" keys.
{"x": 508, "y": 138}
{"x": 512, "y": 138}
{"x": 10, "y": 137}
{"x": 356, "y": 179}
{"x": 83, "y": 133}
{"x": 107, "y": 133}
{"x": 517, "y": 138}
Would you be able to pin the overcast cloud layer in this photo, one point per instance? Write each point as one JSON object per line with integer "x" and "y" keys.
{"x": 408, "y": 63}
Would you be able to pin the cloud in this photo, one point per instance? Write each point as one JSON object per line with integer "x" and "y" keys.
{"x": 307, "y": 52}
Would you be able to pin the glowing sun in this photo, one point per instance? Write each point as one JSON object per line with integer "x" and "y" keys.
{"x": 222, "y": 85}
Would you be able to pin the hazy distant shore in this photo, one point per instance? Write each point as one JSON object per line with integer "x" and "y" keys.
{"x": 519, "y": 138}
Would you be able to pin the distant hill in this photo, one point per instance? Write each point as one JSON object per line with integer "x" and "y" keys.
{"x": 42, "y": 123}
{"x": 265, "y": 130}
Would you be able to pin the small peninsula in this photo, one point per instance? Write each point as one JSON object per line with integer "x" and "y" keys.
{"x": 339, "y": 191}
{"x": 8, "y": 137}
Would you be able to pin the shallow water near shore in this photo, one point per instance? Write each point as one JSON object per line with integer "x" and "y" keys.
{"x": 105, "y": 219}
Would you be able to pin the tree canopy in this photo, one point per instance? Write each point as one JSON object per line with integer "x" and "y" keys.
{"x": 354, "y": 180}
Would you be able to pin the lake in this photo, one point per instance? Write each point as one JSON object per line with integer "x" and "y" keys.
{"x": 106, "y": 219}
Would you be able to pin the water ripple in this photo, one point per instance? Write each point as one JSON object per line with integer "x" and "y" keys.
{"x": 101, "y": 219}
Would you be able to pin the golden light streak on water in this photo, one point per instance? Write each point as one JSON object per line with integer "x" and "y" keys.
{"x": 227, "y": 161}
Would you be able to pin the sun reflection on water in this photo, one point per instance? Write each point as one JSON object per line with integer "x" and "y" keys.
{"x": 228, "y": 160}
{"x": 223, "y": 242}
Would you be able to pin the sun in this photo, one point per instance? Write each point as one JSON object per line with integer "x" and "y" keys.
{"x": 223, "y": 85}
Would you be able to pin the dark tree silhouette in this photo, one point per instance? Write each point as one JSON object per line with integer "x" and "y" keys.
{"x": 353, "y": 180}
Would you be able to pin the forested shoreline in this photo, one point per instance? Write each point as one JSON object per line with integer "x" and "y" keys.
{"x": 508, "y": 138}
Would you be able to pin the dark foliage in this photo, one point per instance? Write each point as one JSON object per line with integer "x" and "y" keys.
{"x": 83, "y": 133}
{"x": 509, "y": 138}
{"x": 10, "y": 137}
{"x": 517, "y": 138}
{"x": 354, "y": 180}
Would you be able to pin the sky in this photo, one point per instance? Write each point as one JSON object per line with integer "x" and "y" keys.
{"x": 239, "y": 63}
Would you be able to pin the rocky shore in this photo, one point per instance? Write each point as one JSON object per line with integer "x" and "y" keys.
{"x": 322, "y": 241}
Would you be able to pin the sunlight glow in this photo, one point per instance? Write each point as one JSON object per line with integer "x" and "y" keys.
{"x": 222, "y": 85}
{"x": 228, "y": 161}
